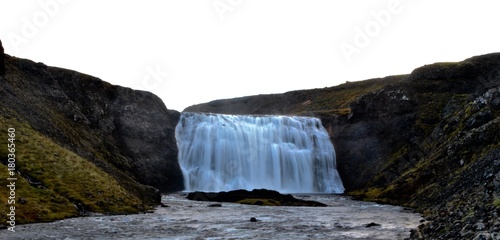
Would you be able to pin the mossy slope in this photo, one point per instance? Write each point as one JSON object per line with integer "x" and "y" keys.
{"x": 85, "y": 145}
{"x": 55, "y": 183}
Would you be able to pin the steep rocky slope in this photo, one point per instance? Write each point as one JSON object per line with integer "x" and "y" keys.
{"x": 2, "y": 60}
{"x": 83, "y": 142}
{"x": 429, "y": 140}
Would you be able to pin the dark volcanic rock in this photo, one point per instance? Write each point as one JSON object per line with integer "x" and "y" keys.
{"x": 256, "y": 194}
{"x": 364, "y": 139}
{"x": 135, "y": 124}
{"x": 144, "y": 133}
{"x": 372, "y": 224}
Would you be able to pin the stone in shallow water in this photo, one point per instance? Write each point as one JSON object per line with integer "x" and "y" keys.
{"x": 254, "y": 197}
{"x": 215, "y": 205}
{"x": 372, "y": 224}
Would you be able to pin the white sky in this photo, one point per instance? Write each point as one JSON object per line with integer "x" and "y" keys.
{"x": 189, "y": 51}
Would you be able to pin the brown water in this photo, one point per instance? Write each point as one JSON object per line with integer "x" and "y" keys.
{"x": 185, "y": 219}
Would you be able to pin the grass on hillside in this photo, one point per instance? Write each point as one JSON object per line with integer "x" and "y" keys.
{"x": 336, "y": 100}
{"x": 55, "y": 183}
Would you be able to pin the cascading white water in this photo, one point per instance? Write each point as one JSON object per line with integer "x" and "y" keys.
{"x": 228, "y": 152}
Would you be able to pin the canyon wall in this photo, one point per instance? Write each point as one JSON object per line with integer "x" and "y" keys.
{"x": 127, "y": 134}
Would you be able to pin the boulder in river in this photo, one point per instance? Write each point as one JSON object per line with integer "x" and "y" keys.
{"x": 255, "y": 197}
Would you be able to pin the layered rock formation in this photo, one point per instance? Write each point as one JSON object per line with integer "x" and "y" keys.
{"x": 428, "y": 140}
{"x": 128, "y": 134}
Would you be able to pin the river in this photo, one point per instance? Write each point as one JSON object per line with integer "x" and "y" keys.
{"x": 184, "y": 219}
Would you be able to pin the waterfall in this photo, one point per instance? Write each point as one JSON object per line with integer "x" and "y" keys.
{"x": 284, "y": 153}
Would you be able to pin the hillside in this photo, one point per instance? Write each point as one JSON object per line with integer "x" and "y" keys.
{"x": 428, "y": 140}
{"x": 81, "y": 144}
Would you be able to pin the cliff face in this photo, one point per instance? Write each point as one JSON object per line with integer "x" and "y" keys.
{"x": 428, "y": 140}
{"x": 2, "y": 60}
{"x": 128, "y": 135}
{"x": 134, "y": 125}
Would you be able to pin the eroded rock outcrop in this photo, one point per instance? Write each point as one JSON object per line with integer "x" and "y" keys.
{"x": 378, "y": 123}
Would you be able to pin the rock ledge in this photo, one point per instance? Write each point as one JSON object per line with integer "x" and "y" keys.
{"x": 254, "y": 197}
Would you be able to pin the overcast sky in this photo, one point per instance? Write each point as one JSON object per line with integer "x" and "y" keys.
{"x": 194, "y": 51}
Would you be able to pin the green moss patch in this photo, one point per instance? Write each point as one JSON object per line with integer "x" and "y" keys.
{"x": 260, "y": 202}
{"x": 336, "y": 100}
{"x": 55, "y": 183}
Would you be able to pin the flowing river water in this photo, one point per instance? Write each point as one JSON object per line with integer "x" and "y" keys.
{"x": 184, "y": 219}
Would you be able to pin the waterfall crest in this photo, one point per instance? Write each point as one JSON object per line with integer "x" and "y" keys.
{"x": 227, "y": 152}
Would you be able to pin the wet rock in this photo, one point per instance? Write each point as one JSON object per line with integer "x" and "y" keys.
{"x": 253, "y": 197}
{"x": 215, "y": 205}
{"x": 372, "y": 224}
{"x": 253, "y": 219}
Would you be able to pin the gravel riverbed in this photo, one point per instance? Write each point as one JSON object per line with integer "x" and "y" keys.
{"x": 184, "y": 219}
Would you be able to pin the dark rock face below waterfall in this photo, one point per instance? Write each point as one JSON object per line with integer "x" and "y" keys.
{"x": 84, "y": 142}
{"x": 254, "y": 197}
{"x": 428, "y": 140}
